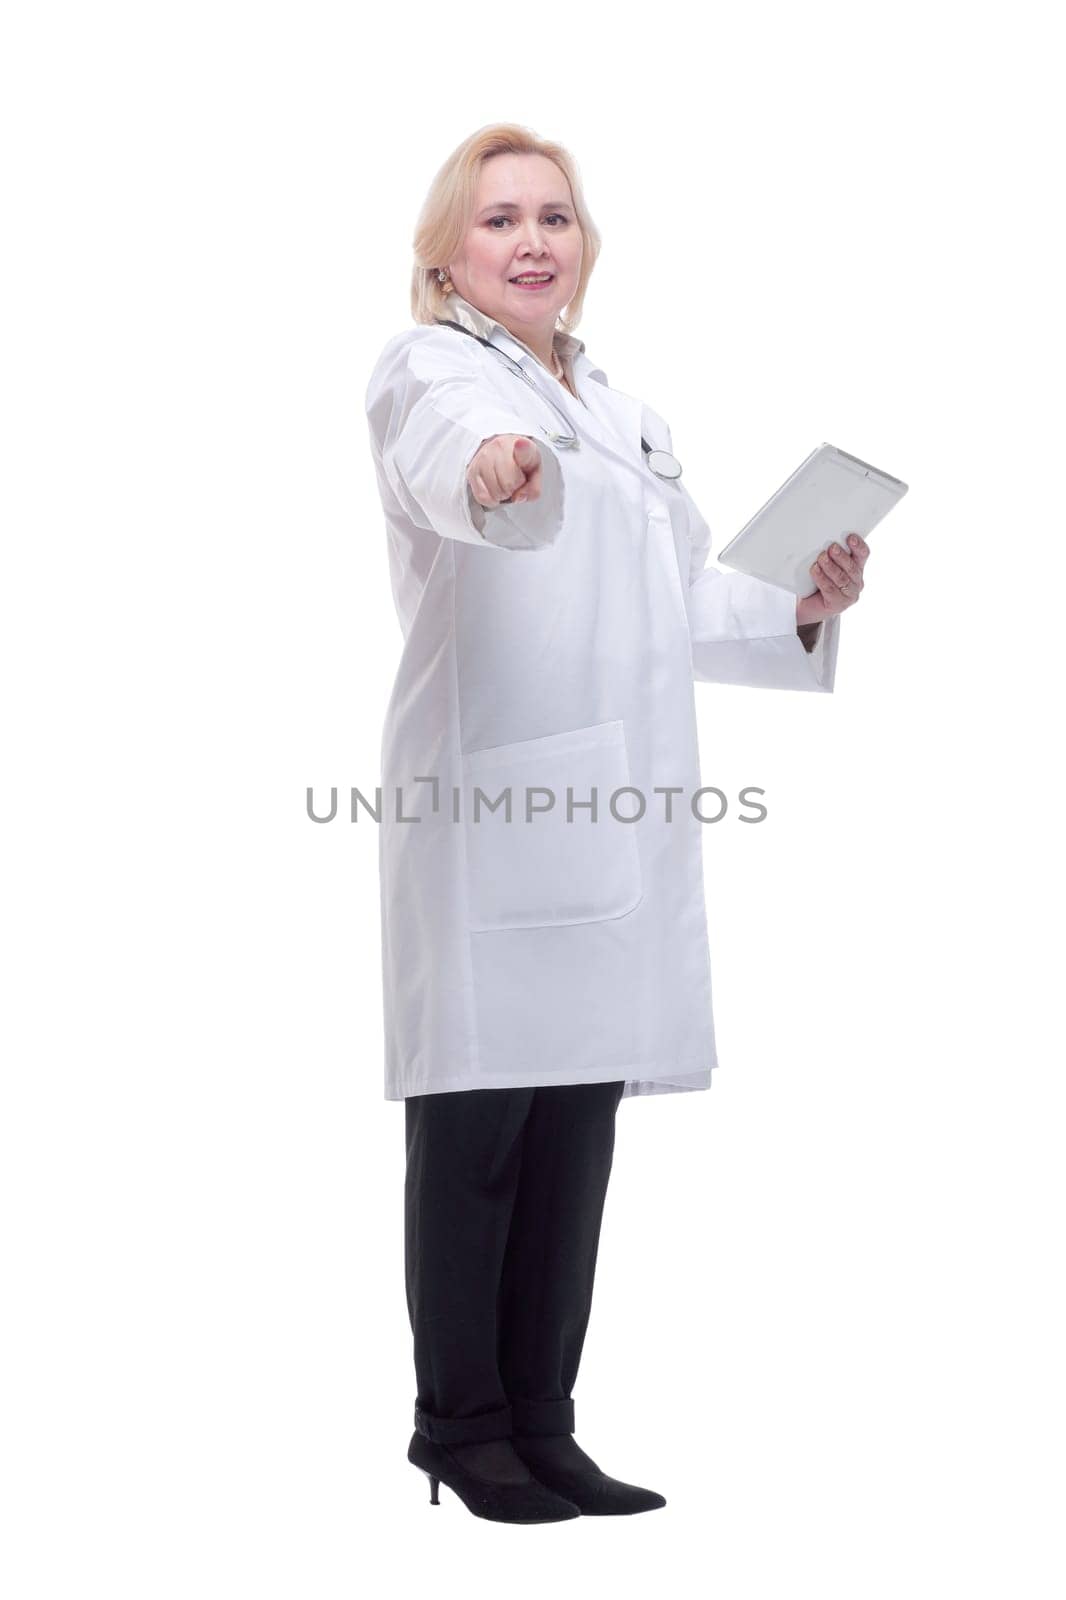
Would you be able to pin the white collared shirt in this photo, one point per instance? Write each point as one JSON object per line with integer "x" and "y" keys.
{"x": 475, "y": 321}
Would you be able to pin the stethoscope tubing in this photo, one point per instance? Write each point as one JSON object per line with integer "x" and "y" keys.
{"x": 661, "y": 462}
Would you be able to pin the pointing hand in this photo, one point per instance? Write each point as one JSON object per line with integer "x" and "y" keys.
{"x": 505, "y": 471}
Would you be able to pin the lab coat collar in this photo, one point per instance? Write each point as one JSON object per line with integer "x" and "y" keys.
{"x": 486, "y": 327}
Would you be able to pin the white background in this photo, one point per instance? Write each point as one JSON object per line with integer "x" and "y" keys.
{"x": 829, "y": 1292}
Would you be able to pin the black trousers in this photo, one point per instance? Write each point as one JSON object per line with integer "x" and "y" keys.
{"x": 503, "y": 1200}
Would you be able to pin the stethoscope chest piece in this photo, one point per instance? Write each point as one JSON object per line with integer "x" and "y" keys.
{"x": 662, "y": 463}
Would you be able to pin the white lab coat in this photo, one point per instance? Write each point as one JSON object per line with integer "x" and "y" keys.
{"x": 549, "y": 644}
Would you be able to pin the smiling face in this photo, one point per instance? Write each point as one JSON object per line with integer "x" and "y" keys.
{"x": 524, "y": 223}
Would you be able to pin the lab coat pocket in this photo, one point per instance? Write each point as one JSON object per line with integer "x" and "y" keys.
{"x": 534, "y": 868}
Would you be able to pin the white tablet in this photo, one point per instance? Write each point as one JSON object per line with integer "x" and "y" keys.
{"x": 829, "y": 495}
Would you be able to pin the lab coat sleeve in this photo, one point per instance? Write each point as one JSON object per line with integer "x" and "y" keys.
{"x": 744, "y": 629}
{"x": 430, "y": 410}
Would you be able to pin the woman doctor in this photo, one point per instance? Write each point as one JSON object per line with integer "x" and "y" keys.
{"x": 543, "y": 922}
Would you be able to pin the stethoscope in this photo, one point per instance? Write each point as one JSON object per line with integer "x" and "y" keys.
{"x": 661, "y": 462}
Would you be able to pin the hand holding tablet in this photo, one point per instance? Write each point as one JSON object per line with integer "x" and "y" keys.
{"x": 838, "y": 574}
{"x": 829, "y": 496}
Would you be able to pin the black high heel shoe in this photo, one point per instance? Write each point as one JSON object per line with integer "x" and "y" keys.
{"x": 498, "y": 1502}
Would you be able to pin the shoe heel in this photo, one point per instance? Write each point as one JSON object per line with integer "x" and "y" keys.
{"x": 434, "y": 1486}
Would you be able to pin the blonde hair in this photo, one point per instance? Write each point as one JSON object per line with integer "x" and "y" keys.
{"x": 448, "y": 211}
